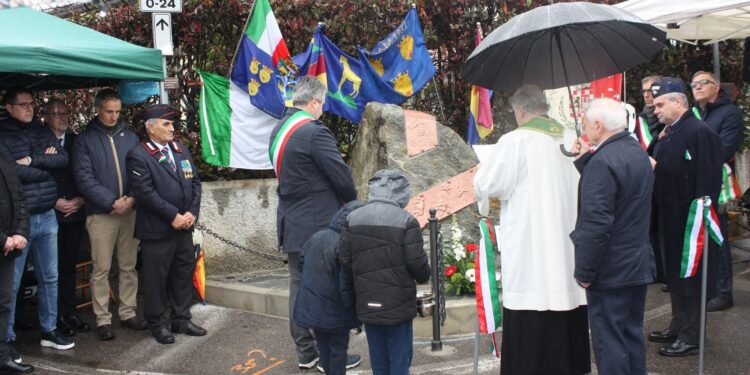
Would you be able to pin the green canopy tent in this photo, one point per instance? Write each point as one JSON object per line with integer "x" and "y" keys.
{"x": 42, "y": 52}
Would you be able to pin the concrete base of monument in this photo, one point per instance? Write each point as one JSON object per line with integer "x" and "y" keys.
{"x": 267, "y": 293}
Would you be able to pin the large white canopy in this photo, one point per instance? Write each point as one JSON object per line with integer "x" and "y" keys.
{"x": 710, "y": 20}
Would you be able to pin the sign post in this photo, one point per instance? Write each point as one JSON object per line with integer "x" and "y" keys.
{"x": 161, "y": 21}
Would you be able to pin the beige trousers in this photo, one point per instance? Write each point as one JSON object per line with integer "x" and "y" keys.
{"x": 110, "y": 233}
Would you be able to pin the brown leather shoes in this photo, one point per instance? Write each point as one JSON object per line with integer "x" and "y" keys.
{"x": 104, "y": 332}
{"x": 135, "y": 323}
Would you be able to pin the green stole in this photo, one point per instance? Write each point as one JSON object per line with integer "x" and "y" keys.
{"x": 544, "y": 125}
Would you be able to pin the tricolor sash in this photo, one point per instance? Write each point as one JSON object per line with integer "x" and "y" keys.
{"x": 730, "y": 188}
{"x": 276, "y": 151}
{"x": 644, "y": 134}
{"x": 489, "y": 312}
{"x": 695, "y": 235}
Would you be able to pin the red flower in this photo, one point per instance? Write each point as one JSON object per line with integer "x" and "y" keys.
{"x": 471, "y": 247}
{"x": 450, "y": 270}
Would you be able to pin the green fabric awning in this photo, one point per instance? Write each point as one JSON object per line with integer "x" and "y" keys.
{"x": 43, "y": 52}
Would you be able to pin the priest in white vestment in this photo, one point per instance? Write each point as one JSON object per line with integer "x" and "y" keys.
{"x": 545, "y": 327}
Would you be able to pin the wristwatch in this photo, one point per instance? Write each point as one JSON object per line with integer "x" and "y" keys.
{"x": 29, "y": 157}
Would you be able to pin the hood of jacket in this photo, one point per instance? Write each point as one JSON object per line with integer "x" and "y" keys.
{"x": 390, "y": 185}
{"x": 96, "y": 124}
{"x": 340, "y": 216}
{"x": 721, "y": 100}
{"x": 11, "y": 125}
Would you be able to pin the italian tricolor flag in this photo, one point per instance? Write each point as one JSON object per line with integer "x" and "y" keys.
{"x": 730, "y": 188}
{"x": 644, "y": 134}
{"x": 234, "y": 133}
{"x": 489, "y": 313}
{"x": 263, "y": 30}
{"x": 695, "y": 235}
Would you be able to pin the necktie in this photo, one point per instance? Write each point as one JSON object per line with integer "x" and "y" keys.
{"x": 165, "y": 152}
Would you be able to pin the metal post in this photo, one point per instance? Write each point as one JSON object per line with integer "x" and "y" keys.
{"x": 437, "y": 344}
{"x": 717, "y": 61}
{"x": 163, "y": 98}
{"x": 704, "y": 275}
{"x": 475, "y": 370}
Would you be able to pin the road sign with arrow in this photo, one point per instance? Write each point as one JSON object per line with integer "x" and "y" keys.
{"x": 162, "y": 23}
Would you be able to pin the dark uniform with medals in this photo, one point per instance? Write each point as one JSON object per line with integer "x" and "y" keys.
{"x": 688, "y": 166}
{"x": 165, "y": 184}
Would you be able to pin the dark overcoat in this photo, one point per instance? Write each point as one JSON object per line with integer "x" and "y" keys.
{"x": 689, "y": 162}
{"x": 314, "y": 182}
{"x": 611, "y": 238}
{"x": 161, "y": 193}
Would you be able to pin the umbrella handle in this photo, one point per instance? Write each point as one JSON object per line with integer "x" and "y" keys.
{"x": 566, "y": 152}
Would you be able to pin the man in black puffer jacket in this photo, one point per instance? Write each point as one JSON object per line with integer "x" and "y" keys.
{"x": 381, "y": 245}
{"x": 325, "y": 301}
{"x": 35, "y": 153}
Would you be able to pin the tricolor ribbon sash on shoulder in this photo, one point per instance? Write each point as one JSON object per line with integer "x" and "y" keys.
{"x": 276, "y": 151}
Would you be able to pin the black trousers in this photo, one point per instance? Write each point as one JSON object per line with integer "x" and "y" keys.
{"x": 616, "y": 321}
{"x": 68, "y": 242}
{"x": 7, "y": 269}
{"x": 686, "y": 318}
{"x": 168, "y": 266}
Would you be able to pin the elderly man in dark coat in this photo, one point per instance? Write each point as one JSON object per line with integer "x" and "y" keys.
{"x": 614, "y": 260}
{"x": 688, "y": 166}
{"x": 725, "y": 119}
{"x": 314, "y": 182}
{"x": 168, "y": 192}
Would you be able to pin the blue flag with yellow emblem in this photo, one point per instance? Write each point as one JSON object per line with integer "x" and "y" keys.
{"x": 397, "y": 68}
{"x": 338, "y": 71}
{"x": 399, "y": 65}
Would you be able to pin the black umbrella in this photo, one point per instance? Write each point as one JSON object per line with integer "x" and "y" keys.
{"x": 561, "y": 45}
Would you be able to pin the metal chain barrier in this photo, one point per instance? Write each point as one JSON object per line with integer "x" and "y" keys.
{"x": 238, "y": 246}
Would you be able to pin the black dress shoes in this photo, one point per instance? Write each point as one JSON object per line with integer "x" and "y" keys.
{"x": 163, "y": 336}
{"x": 135, "y": 323}
{"x": 104, "y": 332}
{"x": 11, "y": 367}
{"x": 665, "y": 336}
{"x": 665, "y": 288}
{"x": 74, "y": 322}
{"x": 719, "y": 303}
{"x": 189, "y": 329}
{"x": 678, "y": 349}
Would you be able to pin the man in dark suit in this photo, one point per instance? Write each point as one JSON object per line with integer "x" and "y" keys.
{"x": 14, "y": 231}
{"x": 613, "y": 256}
{"x": 71, "y": 220}
{"x": 168, "y": 192}
{"x": 314, "y": 182}
{"x": 688, "y": 166}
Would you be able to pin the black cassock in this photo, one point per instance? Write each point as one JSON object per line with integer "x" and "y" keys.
{"x": 688, "y": 166}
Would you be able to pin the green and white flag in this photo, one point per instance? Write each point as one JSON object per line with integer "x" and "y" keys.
{"x": 234, "y": 133}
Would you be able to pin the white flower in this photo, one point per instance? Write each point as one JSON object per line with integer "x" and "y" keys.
{"x": 470, "y": 275}
{"x": 459, "y": 254}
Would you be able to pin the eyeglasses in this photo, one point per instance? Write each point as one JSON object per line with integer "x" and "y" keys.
{"x": 27, "y": 105}
{"x": 645, "y": 91}
{"x": 57, "y": 114}
{"x": 701, "y": 83}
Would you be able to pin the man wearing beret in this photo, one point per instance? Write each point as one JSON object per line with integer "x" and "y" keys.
{"x": 168, "y": 191}
{"x": 688, "y": 158}
{"x": 99, "y": 169}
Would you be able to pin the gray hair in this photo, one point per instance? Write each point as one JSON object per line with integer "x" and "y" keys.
{"x": 713, "y": 76}
{"x": 51, "y": 103}
{"x": 609, "y": 113}
{"x": 677, "y": 97}
{"x": 306, "y": 89}
{"x": 531, "y": 99}
{"x": 651, "y": 78}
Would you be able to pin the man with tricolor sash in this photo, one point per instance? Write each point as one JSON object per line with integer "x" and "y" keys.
{"x": 688, "y": 166}
{"x": 715, "y": 108}
{"x": 313, "y": 183}
{"x": 613, "y": 256}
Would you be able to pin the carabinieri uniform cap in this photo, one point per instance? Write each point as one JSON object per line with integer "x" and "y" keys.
{"x": 161, "y": 111}
{"x": 667, "y": 85}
